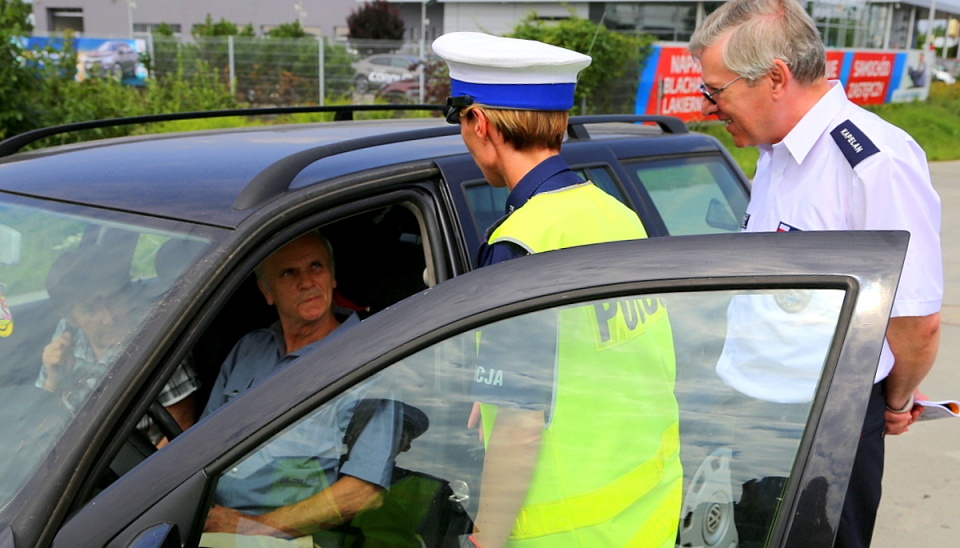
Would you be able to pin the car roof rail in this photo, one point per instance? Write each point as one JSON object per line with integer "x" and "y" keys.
{"x": 668, "y": 124}
{"x": 277, "y": 177}
{"x": 341, "y": 113}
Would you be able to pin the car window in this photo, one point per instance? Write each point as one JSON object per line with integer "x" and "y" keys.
{"x": 381, "y": 257}
{"x": 74, "y": 291}
{"x": 601, "y": 177}
{"x": 693, "y": 195}
{"x": 663, "y": 415}
{"x": 402, "y": 62}
{"x": 487, "y": 203}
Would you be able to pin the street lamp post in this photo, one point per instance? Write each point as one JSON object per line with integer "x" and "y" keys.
{"x": 423, "y": 46}
{"x": 298, "y": 7}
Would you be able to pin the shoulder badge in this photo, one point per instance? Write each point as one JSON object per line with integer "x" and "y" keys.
{"x": 855, "y": 146}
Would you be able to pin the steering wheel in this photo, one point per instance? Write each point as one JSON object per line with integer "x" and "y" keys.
{"x": 164, "y": 420}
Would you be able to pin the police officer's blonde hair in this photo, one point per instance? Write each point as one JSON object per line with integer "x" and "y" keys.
{"x": 527, "y": 129}
{"x": 761, "y": 31}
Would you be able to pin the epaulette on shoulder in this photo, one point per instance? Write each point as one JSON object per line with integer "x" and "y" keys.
{"x": 855, "y": 146}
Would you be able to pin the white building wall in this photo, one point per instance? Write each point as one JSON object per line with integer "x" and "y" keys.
{"x": 501, "y": 17}
{"x": 113, "y": 18}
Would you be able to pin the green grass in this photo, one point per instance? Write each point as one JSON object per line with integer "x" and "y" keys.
{"x": 934, "y": 123}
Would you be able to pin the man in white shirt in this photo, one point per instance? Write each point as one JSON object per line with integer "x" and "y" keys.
{"x": 826, "y": 164}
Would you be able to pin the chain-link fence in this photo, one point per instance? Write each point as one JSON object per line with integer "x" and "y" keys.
{"x": 264, "y": 71}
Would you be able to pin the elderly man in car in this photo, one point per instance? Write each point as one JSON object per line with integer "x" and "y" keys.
{"x": 297, "y": 485}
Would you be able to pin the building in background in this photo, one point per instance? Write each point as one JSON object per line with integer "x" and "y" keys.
{"x": 882, "y": 24}
{"x": 137, "y": 18}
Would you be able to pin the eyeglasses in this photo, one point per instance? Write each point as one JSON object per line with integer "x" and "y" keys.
{"x": 709, "y": 96}
{"x": 455, "y": 105}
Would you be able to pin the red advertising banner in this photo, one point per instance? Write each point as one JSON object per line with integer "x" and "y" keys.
{"x": 870, "y": 77}
{"x": 672, "y": 84}
{"x": 834, "y": 64}
{"x": 669, "y": 83}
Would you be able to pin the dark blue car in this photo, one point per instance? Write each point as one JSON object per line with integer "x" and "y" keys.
{"x": 187, "y": 216}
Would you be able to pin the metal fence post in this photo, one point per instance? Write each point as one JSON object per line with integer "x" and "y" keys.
{"x": 322, "y": 76}
{"x": 233, "y": 68}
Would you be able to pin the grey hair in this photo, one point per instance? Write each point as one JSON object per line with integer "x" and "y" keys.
{"x": 258, "y": 270}
{"x": 761, "y": 31}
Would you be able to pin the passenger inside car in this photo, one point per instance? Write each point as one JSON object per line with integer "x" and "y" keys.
{"x": 380, "y": 260}
{"x": 305, "y": 486}
{"x": 90, "y": 288}
{"x": 301, "y": 487}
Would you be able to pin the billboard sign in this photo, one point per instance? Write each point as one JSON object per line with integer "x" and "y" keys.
{"x": 100, "y": 58}
{"x": 670, "y": 80}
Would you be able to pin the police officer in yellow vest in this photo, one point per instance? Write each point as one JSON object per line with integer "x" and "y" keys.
{"x": 593, "y": 459}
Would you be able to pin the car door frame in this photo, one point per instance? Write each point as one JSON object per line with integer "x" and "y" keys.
{"x": 169, "y": 487}
{"x": 41, "y": 506}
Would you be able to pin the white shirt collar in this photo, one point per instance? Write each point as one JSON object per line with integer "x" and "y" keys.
{"x": 815, "y": 122}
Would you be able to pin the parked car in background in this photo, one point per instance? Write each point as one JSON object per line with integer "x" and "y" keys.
{"x": 186, "y": 217}
{"x": 942, "y": 74}
{"x": 112, "y": 58}
{"x": 378, "y": 70}
{"x": 400, "y": 92}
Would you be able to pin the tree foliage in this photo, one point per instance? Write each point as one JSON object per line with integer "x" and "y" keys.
{"x": 376, "y": 20}
{"x": 221, "y": 28}
{"x": 609, "y": 84}
{"x": 19, "y": 82}
{"x": 287, "y": 30}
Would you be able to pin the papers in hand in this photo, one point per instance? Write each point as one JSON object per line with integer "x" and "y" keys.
{"x": 938, "y": 409}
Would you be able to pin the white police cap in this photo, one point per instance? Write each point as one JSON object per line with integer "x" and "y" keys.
{"x": 510, "y": 72}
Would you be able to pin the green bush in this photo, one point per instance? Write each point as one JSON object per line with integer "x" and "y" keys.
{"x": 20, "y": 76}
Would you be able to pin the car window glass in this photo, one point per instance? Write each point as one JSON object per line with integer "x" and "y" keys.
{"x": 380, "y": 257}
{"x": 486, "y": 203}
{"x": 693, "y": 195}
{"x": 73, "y": 291}
{"x": 602, "y": 178}
{"x": 650, "y": 410}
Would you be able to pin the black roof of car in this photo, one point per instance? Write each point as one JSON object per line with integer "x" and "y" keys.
{"x": 232, "y": 172}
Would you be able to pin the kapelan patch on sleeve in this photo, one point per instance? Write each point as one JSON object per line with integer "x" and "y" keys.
{"x": 856, "y": 146}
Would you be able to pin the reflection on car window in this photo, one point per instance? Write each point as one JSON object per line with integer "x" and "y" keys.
{"x": 74, "y": 291}
{"x": 603, "y": 179}
{"x": 693, "y": 195}
{"x": 736, "y": 449}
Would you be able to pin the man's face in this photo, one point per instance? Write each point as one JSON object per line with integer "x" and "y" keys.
{"x": 102, "y": 320}
{"x": 299, "y": 281}
{"x": 745, "y": 108}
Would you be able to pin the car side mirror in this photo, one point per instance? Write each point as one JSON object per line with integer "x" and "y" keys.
{"x": 161, "y": 535}
{"x": 719, "y": 217}
{"x": 11, "y": 245}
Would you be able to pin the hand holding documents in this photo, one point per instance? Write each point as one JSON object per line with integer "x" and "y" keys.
{"x": 938, "y": 409}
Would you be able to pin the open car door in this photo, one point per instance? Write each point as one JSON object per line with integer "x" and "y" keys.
{"x": 752, "y": 467}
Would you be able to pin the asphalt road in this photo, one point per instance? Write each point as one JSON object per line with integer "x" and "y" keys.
{"x": 921, "y": 486}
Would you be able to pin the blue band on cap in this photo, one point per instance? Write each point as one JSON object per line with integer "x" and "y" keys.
{"x": 519, "y": 96}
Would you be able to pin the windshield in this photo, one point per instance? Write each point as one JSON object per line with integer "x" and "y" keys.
{"x": 74, "y": 289}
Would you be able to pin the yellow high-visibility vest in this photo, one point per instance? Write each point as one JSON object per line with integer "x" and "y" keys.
{"x": 608, "y": 472}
